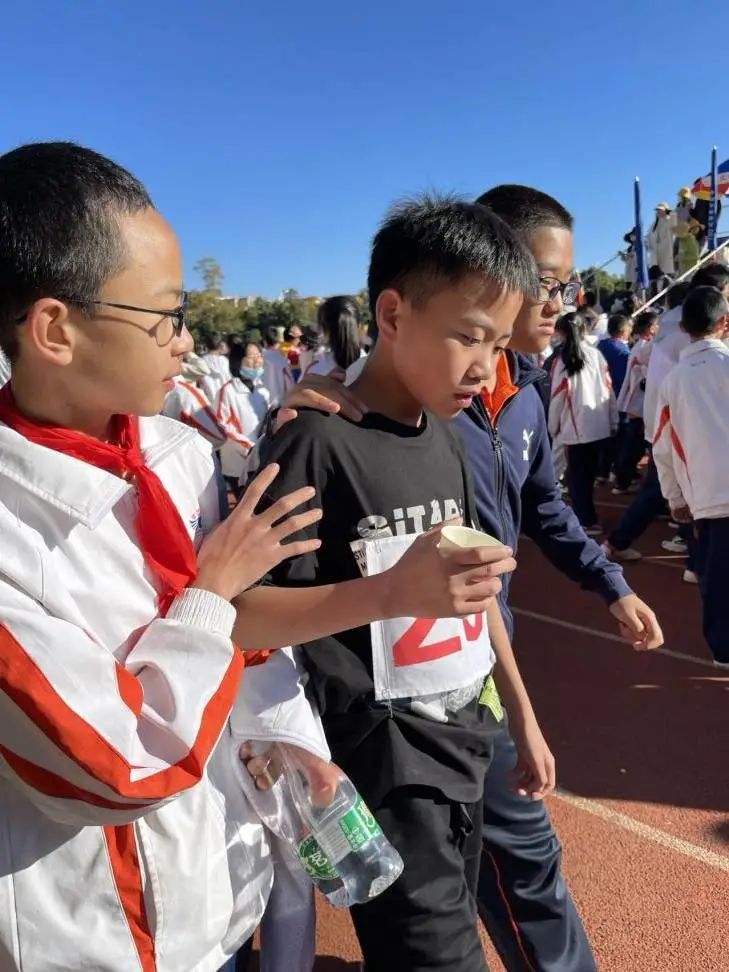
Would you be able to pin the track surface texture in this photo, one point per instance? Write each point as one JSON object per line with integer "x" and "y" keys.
{"x": 643, "y": 802}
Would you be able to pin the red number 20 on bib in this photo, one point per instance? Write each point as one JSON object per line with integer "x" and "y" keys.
{"x": 423, "y": 656}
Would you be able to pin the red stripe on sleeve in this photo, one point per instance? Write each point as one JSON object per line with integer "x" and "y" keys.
{"x": 23, "y": 681}
{"x": 52, "y": 785}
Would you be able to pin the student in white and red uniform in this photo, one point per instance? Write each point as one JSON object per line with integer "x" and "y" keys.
{"x": 128, "y": 840}
{"x": 188, "y": 403}
{"x": 216, "y": 358}
{"x": 631, "y": 398}
{"x": 241, "y": 408}
{"x": 583, "y": 414}
{"x": 690, "y": 450}
{"x": 277, "y": 375}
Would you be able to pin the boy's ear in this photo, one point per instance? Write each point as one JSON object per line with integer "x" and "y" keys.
{"x": 388, "y": 310}
{"x": 49, "y": 331}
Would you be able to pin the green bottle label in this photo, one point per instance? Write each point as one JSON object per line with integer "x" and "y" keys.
{"x": 314, "y": 861}
{"x": 358, "y": 825}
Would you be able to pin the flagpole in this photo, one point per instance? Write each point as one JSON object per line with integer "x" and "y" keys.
{"x": 639, "y": 244}
{"x": 713, "y": 204}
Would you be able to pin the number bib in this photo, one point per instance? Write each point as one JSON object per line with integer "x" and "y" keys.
{"x": 413, "y": 657}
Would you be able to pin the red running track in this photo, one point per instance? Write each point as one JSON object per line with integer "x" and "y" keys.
{"x": 643, "y": 804}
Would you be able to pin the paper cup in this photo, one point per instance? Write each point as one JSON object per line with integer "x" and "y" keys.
{"x": 458, "y": 537}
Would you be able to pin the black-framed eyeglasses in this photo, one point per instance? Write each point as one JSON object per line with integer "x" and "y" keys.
{"x": 179, "y": 316}
{"x": 550, "y": 289}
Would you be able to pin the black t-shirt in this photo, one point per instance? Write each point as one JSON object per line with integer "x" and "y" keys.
{"x": 372, "y": 475}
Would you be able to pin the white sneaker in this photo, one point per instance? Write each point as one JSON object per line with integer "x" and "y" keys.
{"x": 690, "y": 577}
{"x": 633, "y": 488}
{"x": 718, "y": 664}
{"x": 593, "y": 531}
{"x": 621, "y": 556}
{"x": 677, "y": 545}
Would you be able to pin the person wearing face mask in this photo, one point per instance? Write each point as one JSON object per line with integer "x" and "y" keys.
{"x": 242, "y": 405}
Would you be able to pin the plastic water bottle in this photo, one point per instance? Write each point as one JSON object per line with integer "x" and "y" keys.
{"x": 340, "y": 845}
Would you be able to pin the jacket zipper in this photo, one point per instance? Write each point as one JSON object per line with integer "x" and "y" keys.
{"x": 498, "y": 446}
{"x": 498, "y": 464}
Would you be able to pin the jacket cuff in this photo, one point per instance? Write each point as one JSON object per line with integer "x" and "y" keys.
{"x": 203, "y": 609}
{"x": 612, "y": 586}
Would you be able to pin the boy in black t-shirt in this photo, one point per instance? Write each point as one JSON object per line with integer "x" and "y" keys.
{"x": 406, "y": 703}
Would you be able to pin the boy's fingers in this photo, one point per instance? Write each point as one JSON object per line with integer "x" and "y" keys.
{"x": 285, "y": 505}
{"x": 256, "y": 489}
{"x": 297, "y": 549}
{"x": 313, "y": 399}
{"x": 294, "y": 524}
{"x": 284, "y": 416}
{"x": 473, "y": 556}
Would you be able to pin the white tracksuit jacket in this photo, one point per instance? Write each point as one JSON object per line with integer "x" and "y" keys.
{"x": 240, "y": 412}
{"x": 632, "y": 393}
{"x": 126, "y": 840}
{"x": 188, "y": 404}
{"x": 691, "y": 445}
{"x": 582, "y": 407}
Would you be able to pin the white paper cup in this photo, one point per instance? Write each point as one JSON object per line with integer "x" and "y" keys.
{"x": 460, "y": 537}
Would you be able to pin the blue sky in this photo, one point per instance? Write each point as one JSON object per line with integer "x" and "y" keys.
{"x": 274, "y": 135}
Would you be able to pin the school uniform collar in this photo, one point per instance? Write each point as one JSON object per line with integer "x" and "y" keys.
{"x": 696, "y": 347}
{"x": 81, "y": 490}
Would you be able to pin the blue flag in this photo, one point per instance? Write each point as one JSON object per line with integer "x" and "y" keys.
{"x": 641, "y": 269}
{"x": 713, "y": 204}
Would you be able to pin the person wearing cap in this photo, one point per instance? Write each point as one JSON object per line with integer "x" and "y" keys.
{"x": 660, "y": 241}
{"x": 683, "y": 206}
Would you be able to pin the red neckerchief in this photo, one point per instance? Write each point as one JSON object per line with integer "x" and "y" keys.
{"x": 166, "y": 544}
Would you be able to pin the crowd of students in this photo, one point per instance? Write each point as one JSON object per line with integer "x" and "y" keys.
{"x": 140, "y": 652}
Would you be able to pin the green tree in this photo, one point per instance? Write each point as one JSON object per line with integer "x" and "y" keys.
{"x": 607, "y": 284}
{"x": 212, "y": 275}
{"x": 363, "y": 302}
{"x": 209, "y": 311}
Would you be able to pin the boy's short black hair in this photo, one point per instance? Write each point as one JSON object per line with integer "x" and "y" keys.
{"x": 214, "y": 341}
{"x": 711, "y": 275}
{"x": 526, "y": 209}
{"x": 430, "y": 242}
{"x": 702, "y": 310}
{"x": 644, "y": 321}
{"x": 270, "y": 336}
{"x": 59, "y": 235}
{"x": 617, "y": 324}
{"x": 677, "y": 294}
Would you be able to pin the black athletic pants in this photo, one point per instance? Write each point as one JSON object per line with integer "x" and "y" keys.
{"x": 713, "y": 570}
{"x": 427, "y": 919}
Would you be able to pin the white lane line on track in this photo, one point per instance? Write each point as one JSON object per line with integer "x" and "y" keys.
{"x": 644, "y": 830}
{"x": 608, "y": 636}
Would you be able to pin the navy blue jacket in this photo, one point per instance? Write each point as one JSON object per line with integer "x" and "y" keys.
{"x": 616, "y": 353}
{"x": 516, "y": 487}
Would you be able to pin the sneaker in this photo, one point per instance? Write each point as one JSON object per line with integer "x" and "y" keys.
{"x": 593, "y": 531}
{"x": 633, "y": 488}
{"x": 621, "y": 556}
{"x": 718, "y": 664}
{"x": 690, "y": 577}
{"x": 672, "y": 525}
{"x": 677, "y": 545}
{"x": 600, "y": 480}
